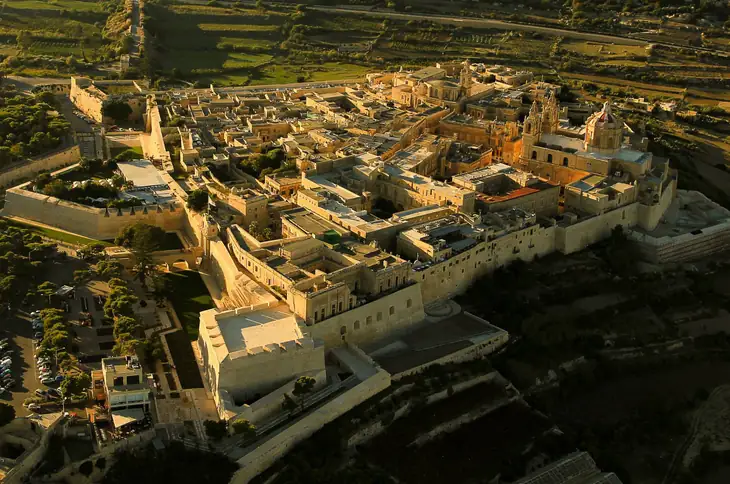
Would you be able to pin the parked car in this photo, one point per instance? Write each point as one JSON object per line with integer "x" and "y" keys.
{"x": 5, "y": 366}
{"x": 34, "y": 407}
{"x": 41, "y": 393}
{"x": 9, "y": 383}
{"x": 54, "y": 392}
{"x": 35, "y": 314}
{"x": 5, "y": 360}
{"x": 5, "y": 372}
{"x": 4, "y": 390}
{"x": 38, "y": 336}
{"x": 59, "y": 378}
{"x": 47, "y": 380}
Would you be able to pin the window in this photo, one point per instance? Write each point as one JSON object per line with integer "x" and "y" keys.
{"x": 389, "y": 283}
{"x": 409, "y": 303}
{"x": 534, "y": 155}
{"x": 381, "y": 288}
{"x": 118, "y": 381}
{"x": 565, "y": 161}
{"x": 133, "y": 380}
{"x": 379, "y": 317}
{"x": 343, "y": 330}
{"x": 340, "y": 307}
{"x": 391, "y": 311}
{"x": 356, "y": 326}
{"x": 322, "y": 313}
{"x": 315, "y": 316}
{"x": 396, "y": 280}
{"x": 333, "y": 309}
{"x": 368, "y": 320}
{"x": 550, "y": 158}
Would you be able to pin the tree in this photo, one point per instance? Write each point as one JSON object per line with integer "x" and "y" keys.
{"x": 86, "y": 468}
{"x": 109, "y": 269}
{"x": 302, "y": 387}
{"x": 75, "y": 384}
{"x": 143, "y": 240}
{"x": 119, "y": 111}
{"x": 241, "y": 426}
{"x": 47, "y": 288}
{"x": 81, "y": 277}
{"x": 197, "y": 200}
{"x": 7, "y": 414}
{"x": 8, "y": 286}
{"x": 215, "y": 430}
{"x": 24, "y": 39}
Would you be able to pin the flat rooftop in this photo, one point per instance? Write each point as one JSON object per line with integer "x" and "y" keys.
{"x": 310, "y": 222}
{"x": 690, "y": 212}
{"x": 250, "y": 331}
{"x": 142, "y": 173}
{"x": 434, "y": 341}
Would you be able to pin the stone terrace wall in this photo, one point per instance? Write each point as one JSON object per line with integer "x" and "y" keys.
{"x": 95, "y": 223}
{"x": 269, "y": 451}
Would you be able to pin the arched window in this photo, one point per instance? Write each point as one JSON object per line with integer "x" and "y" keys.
{"x": 550, "y": 158}
{"x": 409, "y": 303}
{"x": 343, "y": 330}
{"x": 391, "y": 311}
{"x": 565, "y": 161}
{"x": 356, "y": 326}
{"x": 534, "y": 155}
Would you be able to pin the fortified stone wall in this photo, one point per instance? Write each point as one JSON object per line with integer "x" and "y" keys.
{"x": 649, "y": 216}
{"x": 580, "y": 235}
{"x": 372, "y": 321}
{"x": 453, "y": 276}
{"x": 95, "y": 223}
{"x": 49, "y": 162}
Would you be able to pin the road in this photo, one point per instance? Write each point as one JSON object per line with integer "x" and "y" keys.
{"x": 135, "y": 29}
{"x": 485, "y": 24}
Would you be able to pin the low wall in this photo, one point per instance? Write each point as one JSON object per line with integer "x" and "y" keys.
{"x": 30, "y": 168}
{"x": 469, "y": 353}
{"x": 269, "y": 451}
{"x": 95, "y": 223}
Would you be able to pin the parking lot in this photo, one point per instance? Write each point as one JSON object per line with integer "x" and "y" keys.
{"x": 20, "y": 333}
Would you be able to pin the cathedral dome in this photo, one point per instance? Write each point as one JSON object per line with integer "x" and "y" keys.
{"x": 604, "y": 130}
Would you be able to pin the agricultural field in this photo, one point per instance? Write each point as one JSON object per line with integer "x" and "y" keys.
{"x": 33, "y": 33}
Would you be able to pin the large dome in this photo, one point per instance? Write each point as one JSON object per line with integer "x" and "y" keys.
{"x": 604, "y": 130}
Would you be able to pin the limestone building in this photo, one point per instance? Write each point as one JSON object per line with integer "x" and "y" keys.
{"x": 249, "y": 352}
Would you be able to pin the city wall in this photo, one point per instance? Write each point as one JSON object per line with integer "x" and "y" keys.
{"x": 270, "y": 450}
{"x": 650, "y": 215}
{"x": 49, "y": 162}
{"x": 95, "y": 223}
{"x": 580, "y": 235}
{"x": 455, "y": 275}
{"x": 372, "y": 321}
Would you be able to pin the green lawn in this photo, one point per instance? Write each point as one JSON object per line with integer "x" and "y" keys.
{"x": 189, "y": 296}
{"x": 58, "y": 235}
{"x": 117, "y": 150}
